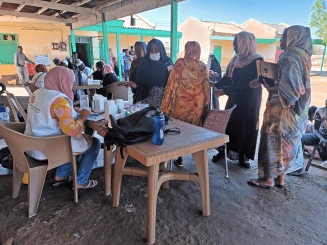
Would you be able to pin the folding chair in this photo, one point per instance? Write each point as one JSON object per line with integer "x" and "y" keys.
{"x": 309, "y": 164}
{"x": 217, "y": 121}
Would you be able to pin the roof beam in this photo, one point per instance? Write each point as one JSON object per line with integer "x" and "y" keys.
{"x": 79, "y": 3}
{"x": 1, "y": 3}
{"x": 57, "y": 6}
{"x": 20, "y": 7}
{"x": 120, "y": 9}
{"x": 45, "y": 8}
{"x": 106, "y": 4}
{"x": 35, "y": 16}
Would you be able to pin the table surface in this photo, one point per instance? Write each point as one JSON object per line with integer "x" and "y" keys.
{"x": 191, "y": 139}
{"x": 87, "y": 87}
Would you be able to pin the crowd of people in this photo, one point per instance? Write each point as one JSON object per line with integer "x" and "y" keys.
{"x": 182, "y": 91}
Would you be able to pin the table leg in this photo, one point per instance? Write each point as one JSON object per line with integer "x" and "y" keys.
{"x": 153, "y": 172}
{"x": 166, "y": 183}
{"x": 118, "y": 167}
{"x": 107, "y": 160}
{"x": 201, "y": 162}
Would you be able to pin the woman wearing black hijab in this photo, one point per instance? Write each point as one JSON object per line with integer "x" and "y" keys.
{"x": 98, "y": 74}
{"x": 152, "y": 74}
{"x": 214, "y": 69}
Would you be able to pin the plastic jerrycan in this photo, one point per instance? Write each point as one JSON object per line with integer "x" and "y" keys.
{"x": 158, "y": 135}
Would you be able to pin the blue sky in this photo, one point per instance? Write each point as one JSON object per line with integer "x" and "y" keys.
{"x": 274, "y": 11}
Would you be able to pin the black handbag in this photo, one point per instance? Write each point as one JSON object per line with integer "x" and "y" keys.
{"x": 135, "y": 128}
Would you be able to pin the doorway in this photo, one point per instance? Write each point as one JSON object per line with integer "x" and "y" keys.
{"x": 84, "y": 48}
{"x": 81, "y": 49}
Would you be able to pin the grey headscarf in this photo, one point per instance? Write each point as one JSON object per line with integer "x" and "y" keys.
{"x": 299, "y": 37}
{"x": 294, "y": 85}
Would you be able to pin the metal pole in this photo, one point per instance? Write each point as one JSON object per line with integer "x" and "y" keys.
{"x": 118, "y": 56}
{"x": 105, "y": 39}
{"x": 142, "y": 39}
{"x": 323, "y": 58}
{"x": 72, "y": 34}
{"x": 173, "y": 30}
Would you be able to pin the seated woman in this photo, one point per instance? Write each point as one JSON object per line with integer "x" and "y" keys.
{"x": 38, "y": 79}
{"x": 152, "y": 74}
{"x": 50, "y": 112}
{"x": 187, "y": 89}
{"x": 109, "y": 76}
{"x": 98, "y": 74}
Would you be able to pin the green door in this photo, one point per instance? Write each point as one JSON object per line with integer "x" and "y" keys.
{"x": 89, "y": 51}
{"x": 217, "y": 52}
{"x": 8, "y": 47}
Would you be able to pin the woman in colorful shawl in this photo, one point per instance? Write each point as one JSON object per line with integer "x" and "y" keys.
{"x": 243, "y": 124}
{"x": 152, "y": 74}
{"x": 187, "y": 91}
{"x": 286, "y": 111}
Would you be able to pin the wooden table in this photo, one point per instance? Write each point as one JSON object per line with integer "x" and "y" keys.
{"x": 192, "y": 140}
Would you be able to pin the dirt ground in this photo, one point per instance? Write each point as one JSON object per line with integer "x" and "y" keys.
{"x": 240, "y": 214}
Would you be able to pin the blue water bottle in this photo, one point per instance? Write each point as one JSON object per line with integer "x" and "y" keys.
{"x": 159, "y": 121}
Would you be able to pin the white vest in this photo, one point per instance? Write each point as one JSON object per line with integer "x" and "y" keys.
{"x": 40, "y": 123}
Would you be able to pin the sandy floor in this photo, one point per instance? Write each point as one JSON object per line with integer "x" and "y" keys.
{"x": 240, "y": 214}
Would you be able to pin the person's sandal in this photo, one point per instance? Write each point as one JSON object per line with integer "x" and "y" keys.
{"x": 179, "y": 162}
{"x": 277, "y": 184}
{"x": 90, "y": 184}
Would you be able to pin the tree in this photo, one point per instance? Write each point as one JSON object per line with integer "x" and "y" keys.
{"x": 318, "y": 19}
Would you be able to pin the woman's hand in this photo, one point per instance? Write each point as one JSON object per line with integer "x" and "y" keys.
{"x": 255, "y": 83}
{"x": 84, "y": 114}
{"x": 169, "y": 68}
{"x": 270, "y": 89}
{"x": 127, "y": 84}
{"x": 219, "y": 92}
{"x": 211, "y": 72}
{"x": 77, "y": 109}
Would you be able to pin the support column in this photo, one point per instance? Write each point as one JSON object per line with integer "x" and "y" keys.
{"x": 173, "y": 30}
{"x": 118, "y": 56}
{"x": 323, "y": 59}
{"x": 142, "y": 39}
{"x": 105, "y": 39}
{"x": 72, "y": 37}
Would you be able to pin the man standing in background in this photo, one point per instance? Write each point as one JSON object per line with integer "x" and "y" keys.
{"x": 122, "y": 61}
{"x": 127, "y": 64}
{"x": 19, "y": 60}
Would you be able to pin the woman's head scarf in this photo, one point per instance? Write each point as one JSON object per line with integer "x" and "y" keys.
{"x": 41, "y": 68}
{"x": 192, "y": 50}
{"x": 107, "y": 69}
{"x": 100, "y": 65}
{"x": 246, "y": 53}
{"x": 60, "y": 79}
{"x": 294, "y": 85}
{"x": 163, "y": 56}
{"x": 151, "y": 73}
{"x": 299, "y": 37}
